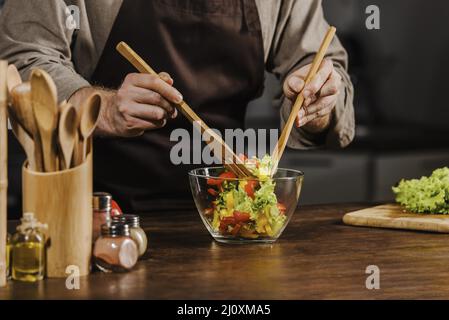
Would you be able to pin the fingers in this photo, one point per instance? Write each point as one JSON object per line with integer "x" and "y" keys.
{"x": 152, "y": 98}
{"x": 294, "y": 84}
{"x": 314, "y": 86}
{"x": 136, "y": 126}
{"x": 332, "y": 86}
{"x": 152, "y": 82}
{"x": 144, "y": 111}
{"x": 166, "y": 77}
{"x": 322, "y": 107}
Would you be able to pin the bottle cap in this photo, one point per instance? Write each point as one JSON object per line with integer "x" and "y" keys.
{"x": 130, "y": 219}
{"x": 115, "y": 229}
{"x": 102, "y": 201}
{"x": 29, "y": 221}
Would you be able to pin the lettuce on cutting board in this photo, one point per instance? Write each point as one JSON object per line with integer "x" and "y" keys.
{"x": 425, "y": 195}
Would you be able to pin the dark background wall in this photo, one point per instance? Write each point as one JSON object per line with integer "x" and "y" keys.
{"x": 400, "y": 77}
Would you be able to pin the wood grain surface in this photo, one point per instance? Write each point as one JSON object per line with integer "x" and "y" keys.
{"x": 63, "y": 201}
{"x": 317, "y": 257}
{"x": 393, "y": 216}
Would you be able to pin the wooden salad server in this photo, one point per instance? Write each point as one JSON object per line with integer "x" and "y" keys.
{"x": 282, "y": 142}
{"x": 229, "y": 158}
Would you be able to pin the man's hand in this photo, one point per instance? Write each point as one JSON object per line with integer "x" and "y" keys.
{"x": 143, "y": 102}
{"x": 320, "y": 95}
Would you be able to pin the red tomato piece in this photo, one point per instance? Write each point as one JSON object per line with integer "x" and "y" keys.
{"x": 282, "y": 208}
{"x": 241, "y": 216}
{"x": 236, "y": 229}
{"x": 222, "y": 177}
{"x": 227, "y": 176}
{"x": 250, "y": 188}
{"x": 228, "y": 220}
{"x": 213, "y": 182}
{"x": 225, "y": 222}
{"x": 115, "y": 209}
{"x": 212, "y": 192}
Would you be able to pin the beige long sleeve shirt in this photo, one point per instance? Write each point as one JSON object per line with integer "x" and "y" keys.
{"x": 35, "y": 34}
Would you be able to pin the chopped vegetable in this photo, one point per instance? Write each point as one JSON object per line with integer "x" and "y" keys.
{"x": 212, "y": 192}
{"x": 425, "y": 195}
{"x": 115, "y": 209}
{"x": 246, "y": 208}
{"x": 250, "y": 187}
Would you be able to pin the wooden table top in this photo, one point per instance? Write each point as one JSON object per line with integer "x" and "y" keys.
{"x": 317, "y": 257}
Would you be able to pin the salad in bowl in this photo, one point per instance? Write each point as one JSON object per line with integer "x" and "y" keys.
{"x": 255, "y": 209}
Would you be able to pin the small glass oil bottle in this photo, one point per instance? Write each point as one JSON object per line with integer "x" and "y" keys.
{"x": 28, "y": 250}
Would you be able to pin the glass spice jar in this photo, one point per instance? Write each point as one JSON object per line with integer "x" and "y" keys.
{"x": 114, "y": 250}
{"x": 102, "y": 204}
{"x": 137, "y": 233}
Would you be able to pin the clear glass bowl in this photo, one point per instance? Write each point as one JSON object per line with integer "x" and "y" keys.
{"x": 229, "y": 225}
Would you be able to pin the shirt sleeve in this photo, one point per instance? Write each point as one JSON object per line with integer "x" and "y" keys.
{"x": 35, "y": 34}
{"x": 300, "y": 30}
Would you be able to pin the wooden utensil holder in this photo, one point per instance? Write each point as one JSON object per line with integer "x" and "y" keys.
{"x": 63, "y": 200}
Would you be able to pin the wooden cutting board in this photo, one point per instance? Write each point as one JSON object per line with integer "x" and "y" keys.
{"x": 393, "y": 216}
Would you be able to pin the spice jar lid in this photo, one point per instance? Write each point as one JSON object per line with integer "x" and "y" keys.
{"x": 115, "y": 229}
{"x": 102, "y": 201}
{"x": 130, "y": 219}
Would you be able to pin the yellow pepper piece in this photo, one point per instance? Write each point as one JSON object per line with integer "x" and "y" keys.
{"x": 261, "y": 223}
{"x": 269, "y": 230}
{"x": 230, "y": 201}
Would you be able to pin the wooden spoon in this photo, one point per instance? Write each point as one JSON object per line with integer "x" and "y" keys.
{"x": 25, "y": 140}
{"x": 13, "y": 78}
{"x": 24, "y": 116}
{"x": 46, "y": 112}
{"x": 90, "y": 113}
{"x": 67, "y": 132}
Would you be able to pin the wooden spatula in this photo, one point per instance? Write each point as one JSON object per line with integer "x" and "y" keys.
{"x": 46, "y": 111}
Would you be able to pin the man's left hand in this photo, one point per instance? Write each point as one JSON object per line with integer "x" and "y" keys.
{"x": 321, "y": 95}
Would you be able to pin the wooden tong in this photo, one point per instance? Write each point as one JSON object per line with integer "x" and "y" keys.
{"x": 229, "y": 158}
{"x": 282, "y": 142}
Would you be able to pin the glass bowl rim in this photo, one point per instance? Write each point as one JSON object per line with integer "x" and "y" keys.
{"x": 193, "y": 173}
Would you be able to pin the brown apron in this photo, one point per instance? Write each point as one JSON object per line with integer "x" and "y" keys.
{"x": 213, "y": 50}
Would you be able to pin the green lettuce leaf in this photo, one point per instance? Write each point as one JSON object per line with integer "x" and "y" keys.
{"x": 425, "y": 195}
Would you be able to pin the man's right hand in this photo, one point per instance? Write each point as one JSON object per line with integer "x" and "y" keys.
{"x": 143, "y": 102}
